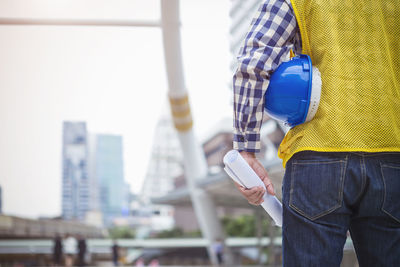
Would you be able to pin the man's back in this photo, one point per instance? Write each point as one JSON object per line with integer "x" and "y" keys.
{"x": 355, "y": 46}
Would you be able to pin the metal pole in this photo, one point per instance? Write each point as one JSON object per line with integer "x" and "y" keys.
{"x": 194, "y": 159}
{"x": 259, "y": 231}
{"x": 78, "y": 22}
{"x": 272, "y": 235}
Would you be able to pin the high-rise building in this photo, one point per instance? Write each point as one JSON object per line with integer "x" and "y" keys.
{"x": 166, "y": 163}
{"x": 75, "y": 181}
{"x": 109, "y": 174}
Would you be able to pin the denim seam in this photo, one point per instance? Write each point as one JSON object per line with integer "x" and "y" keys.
{"x": 384, "y": 191}
{"x": 338, "y": 205}
{"x": 342, "y": 179}
{"x": 313, "y": 218}
{"x": 389, "y": 166}
{"x": 374, "y": 154}
{"x": 363, "y": 177}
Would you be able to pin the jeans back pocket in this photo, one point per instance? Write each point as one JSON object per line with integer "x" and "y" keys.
{"x": 391, "y": 182}
{"x": 317, "y": 186}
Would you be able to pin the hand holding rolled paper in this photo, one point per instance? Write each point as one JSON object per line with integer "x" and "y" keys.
{"x": 238, "y": 169}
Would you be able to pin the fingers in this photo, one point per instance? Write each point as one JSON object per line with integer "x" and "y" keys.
{"x": 256, "y": 197}
{"x": 253, "y": 195}
{"x": 262, "y": 173}
{"x": 269, "y": 186}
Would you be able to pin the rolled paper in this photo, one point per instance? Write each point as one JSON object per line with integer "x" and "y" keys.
{"x": 241, "y": 172}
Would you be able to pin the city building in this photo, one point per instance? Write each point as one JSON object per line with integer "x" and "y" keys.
{"x": 165, "y": 160}
{"x": 108, "y": 178}
{"x": 75, "y": 180}
{"x": 166, "y": 163}
{"x": 94, "y": 216}
{"x": 93, "y": 188}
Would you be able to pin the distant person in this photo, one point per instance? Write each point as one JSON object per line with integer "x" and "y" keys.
{"x": 57, "y": 251}
{"x": 115, "y": 253}
{"x": 154, "y": 263}
{"x": 140, "y": 263}
{"x": 70, "y": 250}
{"x": 218, "y": 249}
{"x": 81, "y": 251}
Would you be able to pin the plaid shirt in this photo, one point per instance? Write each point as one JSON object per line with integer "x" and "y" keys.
{"x": 273, "y": 33}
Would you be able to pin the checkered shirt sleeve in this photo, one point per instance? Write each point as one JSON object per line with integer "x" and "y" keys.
{"x": 273, "y": 32}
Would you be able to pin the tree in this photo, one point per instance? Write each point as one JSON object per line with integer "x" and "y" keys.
{"x": 178, "y": 233}
{"x": 243, "y": 226}
{"x": 120, "y": 232}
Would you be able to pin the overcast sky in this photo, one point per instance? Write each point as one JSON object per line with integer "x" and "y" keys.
{"x": 112, "y": 78}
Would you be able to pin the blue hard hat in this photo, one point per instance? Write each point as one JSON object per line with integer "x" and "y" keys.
{"x": 290, "y": 97}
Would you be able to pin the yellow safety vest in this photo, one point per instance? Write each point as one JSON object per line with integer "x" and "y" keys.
{"x": 356, "y": 47}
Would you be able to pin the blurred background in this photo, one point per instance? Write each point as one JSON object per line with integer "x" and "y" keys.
{"x": 114, "y": 119}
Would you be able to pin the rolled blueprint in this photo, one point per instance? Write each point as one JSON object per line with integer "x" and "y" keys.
{"x": 241, "y": 172}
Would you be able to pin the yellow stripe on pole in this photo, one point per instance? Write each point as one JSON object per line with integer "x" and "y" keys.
{"x": 184, "y": 127}
{"x": 179, "y": 101}
{"x": 181, "y": 114}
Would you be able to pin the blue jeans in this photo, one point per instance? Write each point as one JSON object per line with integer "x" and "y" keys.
{"x": 326, "y": 194}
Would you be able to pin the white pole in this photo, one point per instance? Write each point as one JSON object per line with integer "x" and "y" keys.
{"x": 194, "y": 159}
